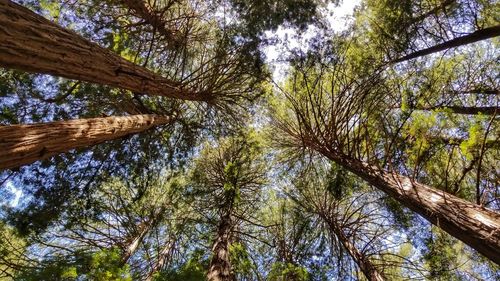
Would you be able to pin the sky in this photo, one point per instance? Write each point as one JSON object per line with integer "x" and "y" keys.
{"x": 338, "y": 17}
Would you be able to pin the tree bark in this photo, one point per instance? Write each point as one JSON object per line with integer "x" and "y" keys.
{"x": 474, "y": 225}
{"x": 220, "y": 268}
{"x": 367, "y": 267}
{"x": 145, "y": 12}
{"x": 29, "y": 42}
{"x": 132, "y": 244}
{"x": 164, "y": 257}
{"x": 466, "y": 110}
{"x": 476, "y": 36}
{"x": 25, "y": 144}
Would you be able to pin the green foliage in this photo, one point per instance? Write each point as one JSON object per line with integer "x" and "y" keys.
{"x": 287, "y": 271}
{"x": 240, "y": 259}
{"x": 402, "y": 217}
{"x": 79, "y": 210}
{"x": 107, "y": 265}
{"x": 193, "y": 270}
{"x": 103, "y": 265}
{"x": 441, "y": 256}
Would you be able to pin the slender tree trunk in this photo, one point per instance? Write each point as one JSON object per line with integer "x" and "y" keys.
{"x": 467, "y": 110}
{"x": 220, "y": 268}
{"x": 25, "y": 144}
{"x": 476, "y": 36}
{"x": 145, "y": 12}
{"x": 132, "y": 244}
{"x": 367, "y": 267}
{"x": 164, "y": 257}
{"x": 29, "y": 42}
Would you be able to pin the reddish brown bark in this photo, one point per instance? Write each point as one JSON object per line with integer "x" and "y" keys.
{"x": 24, "y": 144}
{"x": 475, "y": 225}
{"x": 220, "y": 268}
{"x": 476, "y": 36}
{"x": 29, "y": 42}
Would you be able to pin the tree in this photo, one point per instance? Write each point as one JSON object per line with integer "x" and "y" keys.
{"x": 227, "y": 177}
{"x": 483, "y": 34}
{"x": 367, "y": 166}
{"x": 74, "y": 57}
{"x": 331, "y": 196}
{"x": 24, "y": 144}
{"x": 405, "y": 30}
{"x": 334, "y": 121}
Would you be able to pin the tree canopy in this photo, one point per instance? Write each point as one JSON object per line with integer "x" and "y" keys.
{"x": 152, "y": 140}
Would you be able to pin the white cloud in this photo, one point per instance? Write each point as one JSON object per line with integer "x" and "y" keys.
{"x": 17, "y": 194}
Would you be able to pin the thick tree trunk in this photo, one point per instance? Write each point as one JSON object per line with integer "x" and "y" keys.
{"x": 164, "y": 257}
{"x": 475, "y": 225}
{"x": 467, "y": 110}
{"x": 369, "y": 270}
{"x": 220, "y": 268}
{"x": 145, "y": 12}
{"x": 29, "y": 42}
{"x": 24, "y": 144}
{"x": 476, "y": 36}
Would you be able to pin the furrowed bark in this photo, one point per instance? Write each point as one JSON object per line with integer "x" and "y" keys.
{"x": 476, "y": 36}
{"x": 31, "y": 43}
{"x": 25, "y": 144}
{"x": 145, "y": 12}
{"x": 474, "y": 225}
{"x": 220, "y": 268}
{"x": 367, "y": 267}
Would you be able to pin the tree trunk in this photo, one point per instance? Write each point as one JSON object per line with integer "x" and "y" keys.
{"x": 475, "y": 225}
{"x": 132, "y": 244}
{"x": 434, "y": 11}
{"x": 220, "y": 268}
{"x": 25, "y": 144}
{"x": 467, "y": 110}
{"x": 164, "y": 257}
{"x": 29, "y": 42}
{"x": 369, "y": 270}
{"x": 476, "y": 36}
{"x": 145, "y": 12}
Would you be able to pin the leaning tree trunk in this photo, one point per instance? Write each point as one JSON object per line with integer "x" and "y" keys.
{"x": 476, "y": 36}
{"x": 220, "y": 268}
{"x": 29, "y": 42}
{"x": 24, "y": 144}
{"x": 466, "y": 110}
{"x": 142, "y": 10}
{"x": 475, "y": 225}
{"x": 132, "y": 243}
{"x": 367, "y": 267}
{"x": 164, "y": 257}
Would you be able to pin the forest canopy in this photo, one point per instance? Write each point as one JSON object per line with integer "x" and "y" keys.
{"x": 224, "y": 140}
